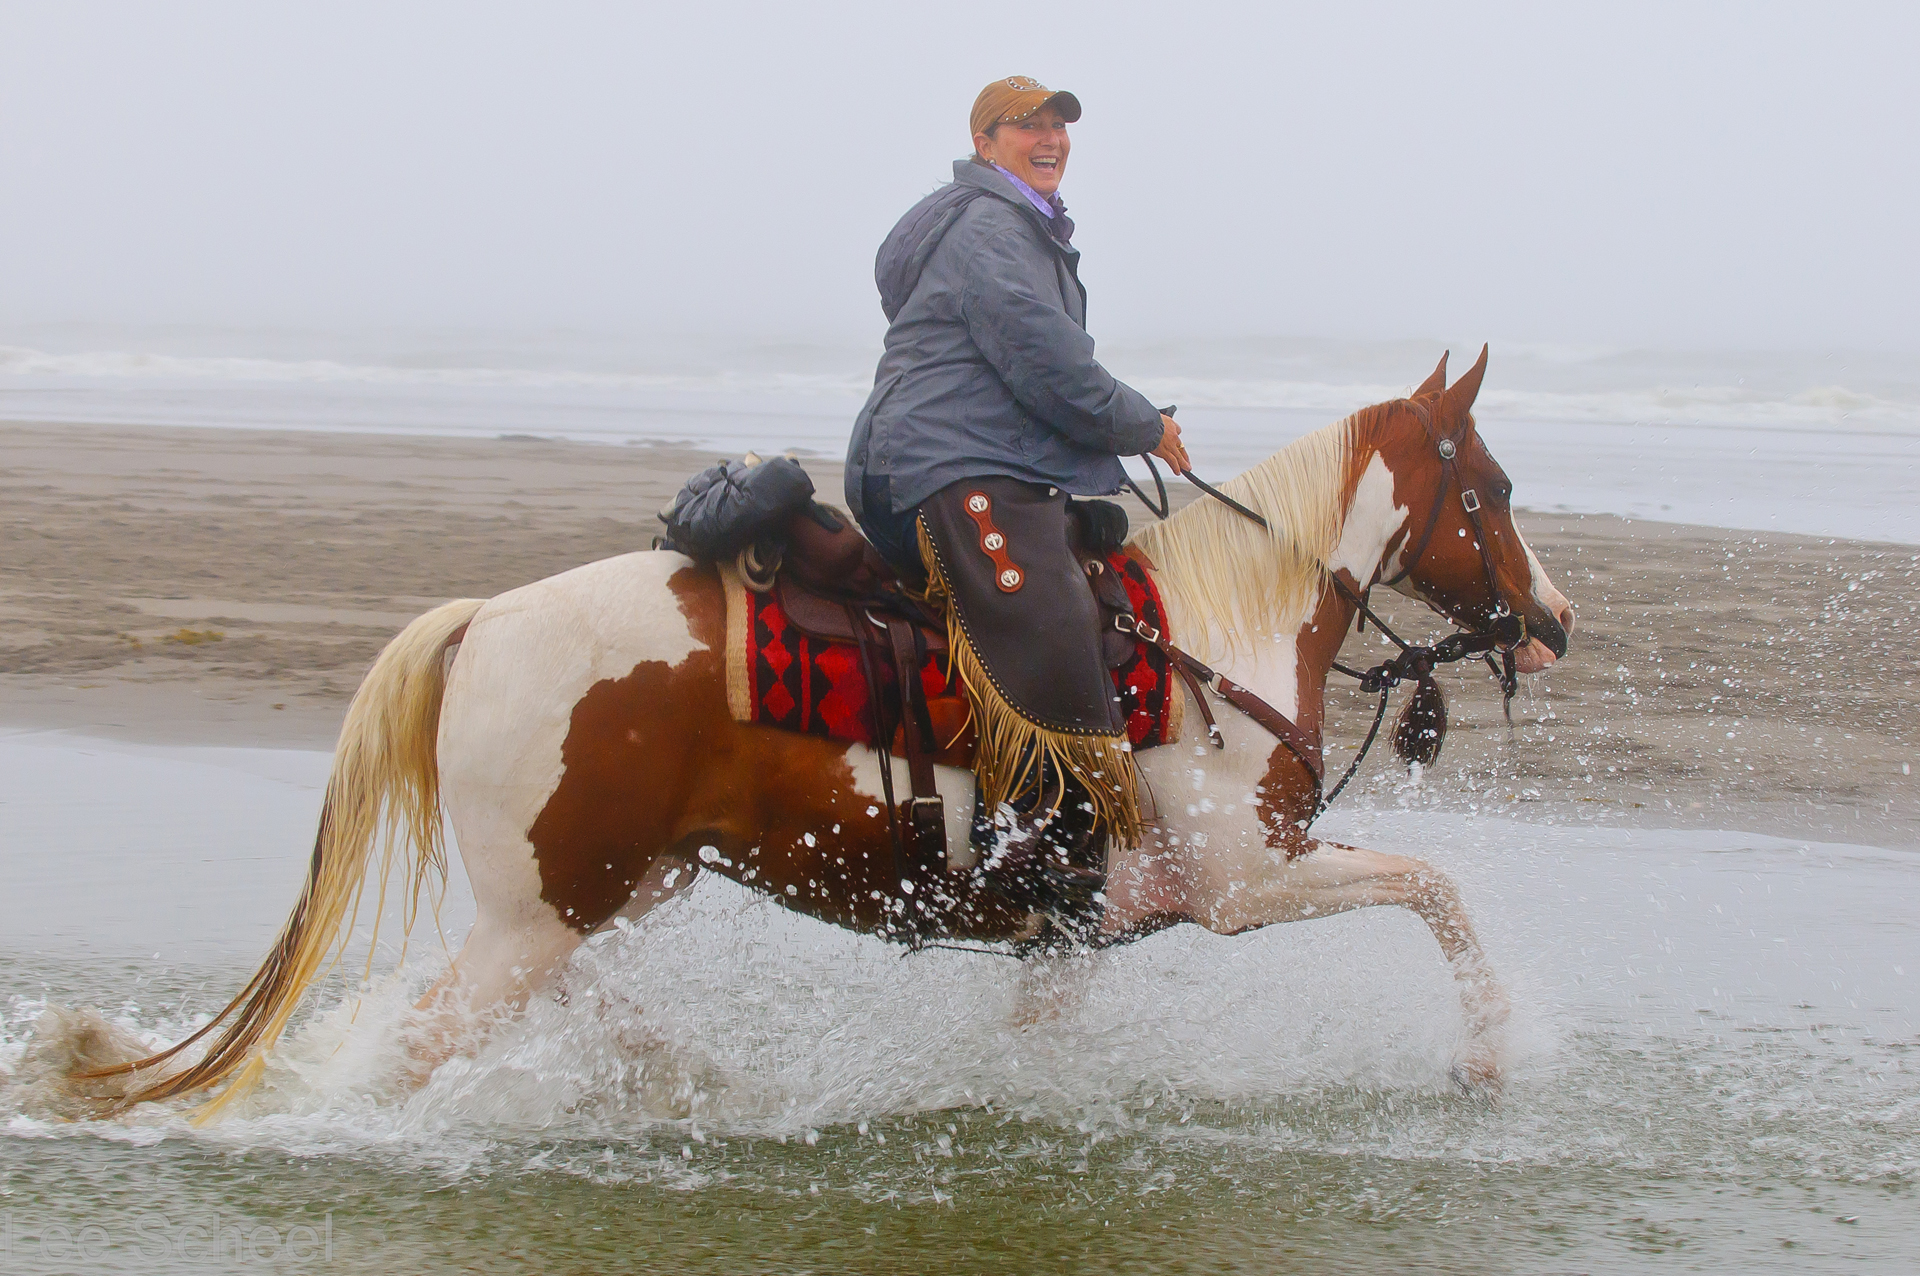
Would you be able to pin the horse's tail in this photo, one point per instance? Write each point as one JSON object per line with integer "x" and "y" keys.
{"x": 386, "y": 780}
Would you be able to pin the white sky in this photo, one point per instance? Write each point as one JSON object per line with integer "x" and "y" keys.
{"x": 1666, "y": 174}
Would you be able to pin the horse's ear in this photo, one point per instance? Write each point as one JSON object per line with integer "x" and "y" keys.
{"x": 1459, "y": 397}
{"x": 1435, "y": 383}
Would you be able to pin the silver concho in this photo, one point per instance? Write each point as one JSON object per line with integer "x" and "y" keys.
{"x": 994, "y": 540}
{"x": 1446, "y": 449}
{"x": 977, "y": 503}
{"x": 1010, "y": 578}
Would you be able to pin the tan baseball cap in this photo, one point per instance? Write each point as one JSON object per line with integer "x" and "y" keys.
{"x": 1017, "y": 97}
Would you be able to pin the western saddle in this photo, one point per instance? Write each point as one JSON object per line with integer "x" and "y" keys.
{"x": 834, "y": 586}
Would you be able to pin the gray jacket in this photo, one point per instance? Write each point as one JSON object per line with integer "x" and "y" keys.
{"x": 988, "y": 367}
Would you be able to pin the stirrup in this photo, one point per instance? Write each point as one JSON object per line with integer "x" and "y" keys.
{"x": 1026, "y": 868}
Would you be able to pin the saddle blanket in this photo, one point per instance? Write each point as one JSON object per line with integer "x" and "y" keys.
{"x": 778, "y": 676}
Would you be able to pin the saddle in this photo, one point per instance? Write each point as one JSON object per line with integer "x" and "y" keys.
{"x": 826, "y": 582}
{"x": 825, "y": 637}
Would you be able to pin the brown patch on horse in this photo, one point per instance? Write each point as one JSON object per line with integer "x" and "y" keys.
{"x": 654, "y": 765}
{"x": 602, "y": 828}
{"x": 1286, "y": 798}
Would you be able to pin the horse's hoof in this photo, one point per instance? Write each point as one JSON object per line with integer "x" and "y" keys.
{"x": 50, "y": 1082}
{"x": 1479, "y": 1079}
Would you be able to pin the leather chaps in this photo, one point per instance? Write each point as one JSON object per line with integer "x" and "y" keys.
{"x": 1027, "y": 632}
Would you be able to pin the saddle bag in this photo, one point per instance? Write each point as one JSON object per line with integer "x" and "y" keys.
{"x": 724, "y": 508}
{"x": 761, "y": 515}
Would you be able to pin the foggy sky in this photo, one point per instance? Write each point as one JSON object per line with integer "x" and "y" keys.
{"x": 1678, "y": 174}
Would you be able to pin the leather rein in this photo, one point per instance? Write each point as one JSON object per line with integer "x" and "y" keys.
{"x": 1414, "y": 663}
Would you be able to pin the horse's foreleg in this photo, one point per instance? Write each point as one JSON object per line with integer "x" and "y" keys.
{"x": 1230, "y": 897}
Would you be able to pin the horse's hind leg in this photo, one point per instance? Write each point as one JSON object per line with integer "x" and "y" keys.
{"x": 501, "y": 967}
{"x": 1331, "y": 878}
{"x": 545, "y": 784}
{"x": 518, "y": 943}
{"x": 496, "y": 971}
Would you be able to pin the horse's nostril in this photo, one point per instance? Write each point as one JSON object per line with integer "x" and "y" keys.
{"x": 1565, "y": 615}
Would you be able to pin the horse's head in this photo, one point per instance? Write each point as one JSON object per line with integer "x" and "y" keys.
{"x": 1458, "y": 550}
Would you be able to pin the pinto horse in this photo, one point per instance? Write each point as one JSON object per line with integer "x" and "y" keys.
{"x": 576, "y": 734}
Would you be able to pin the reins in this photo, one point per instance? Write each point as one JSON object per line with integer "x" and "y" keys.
{"x": 1413, "y": 663}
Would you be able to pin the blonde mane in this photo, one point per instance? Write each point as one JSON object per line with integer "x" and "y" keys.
{"x": 1244, "y": 583}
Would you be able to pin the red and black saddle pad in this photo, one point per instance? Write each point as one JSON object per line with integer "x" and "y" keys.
{"x": 799, "y": 682}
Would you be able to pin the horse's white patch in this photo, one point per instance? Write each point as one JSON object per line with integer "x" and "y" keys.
{"x": 1271, "y": 670}
{"x": 1223, "y": 814}
{"x": 1372, "y": 519}
{"x": 1544, "y": 591}
{"x": 529, "y": 657}
{"x": 955, "y": 785}
{"x": 1206, "y": 800}
{"x": 1203, "y": 796}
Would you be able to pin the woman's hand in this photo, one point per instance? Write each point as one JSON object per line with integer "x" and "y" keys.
{"x": 1171, "y": 449}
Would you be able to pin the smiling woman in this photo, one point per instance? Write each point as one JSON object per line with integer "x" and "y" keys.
{"x": 989, "y": 414}
{"x": 1028, "y": 145}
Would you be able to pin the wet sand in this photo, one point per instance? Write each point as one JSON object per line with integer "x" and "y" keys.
{"x": 229, "y": 587}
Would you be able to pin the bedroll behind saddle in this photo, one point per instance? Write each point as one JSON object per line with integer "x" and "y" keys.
{"x": 723, "y": 509}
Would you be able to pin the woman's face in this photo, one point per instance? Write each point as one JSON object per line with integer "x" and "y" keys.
{"x": 1033, "y": 150}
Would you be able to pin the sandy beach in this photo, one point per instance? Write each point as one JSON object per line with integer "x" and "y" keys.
{"x": 214, "y": 586}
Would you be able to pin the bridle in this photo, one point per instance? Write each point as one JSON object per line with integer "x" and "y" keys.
{"x": 1448, "y": 450}
{"x": 1414, "y": 663}
{"x": 1510, "y": 629}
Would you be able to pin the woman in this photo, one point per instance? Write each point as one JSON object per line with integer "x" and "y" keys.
{"x": 988, "y": 412}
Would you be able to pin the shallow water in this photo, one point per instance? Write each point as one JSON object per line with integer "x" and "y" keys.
{"x": 1715, "y": 1064}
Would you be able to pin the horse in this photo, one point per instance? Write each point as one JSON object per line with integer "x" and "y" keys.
{"x": 575, "y": 733}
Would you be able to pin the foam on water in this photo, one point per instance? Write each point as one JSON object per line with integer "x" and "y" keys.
{"x": 27, "y": 371}
{"x": 1684, "y": 1001}
{"x": 1713, "y": 1050}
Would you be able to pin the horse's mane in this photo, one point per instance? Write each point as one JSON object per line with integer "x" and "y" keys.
{"x": 1244, "y": 583}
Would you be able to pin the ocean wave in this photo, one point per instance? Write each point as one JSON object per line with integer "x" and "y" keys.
{"x": 1824, "y": 405}
{"x": 24, "y": 362}
{"x": 1656, "y": 401}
